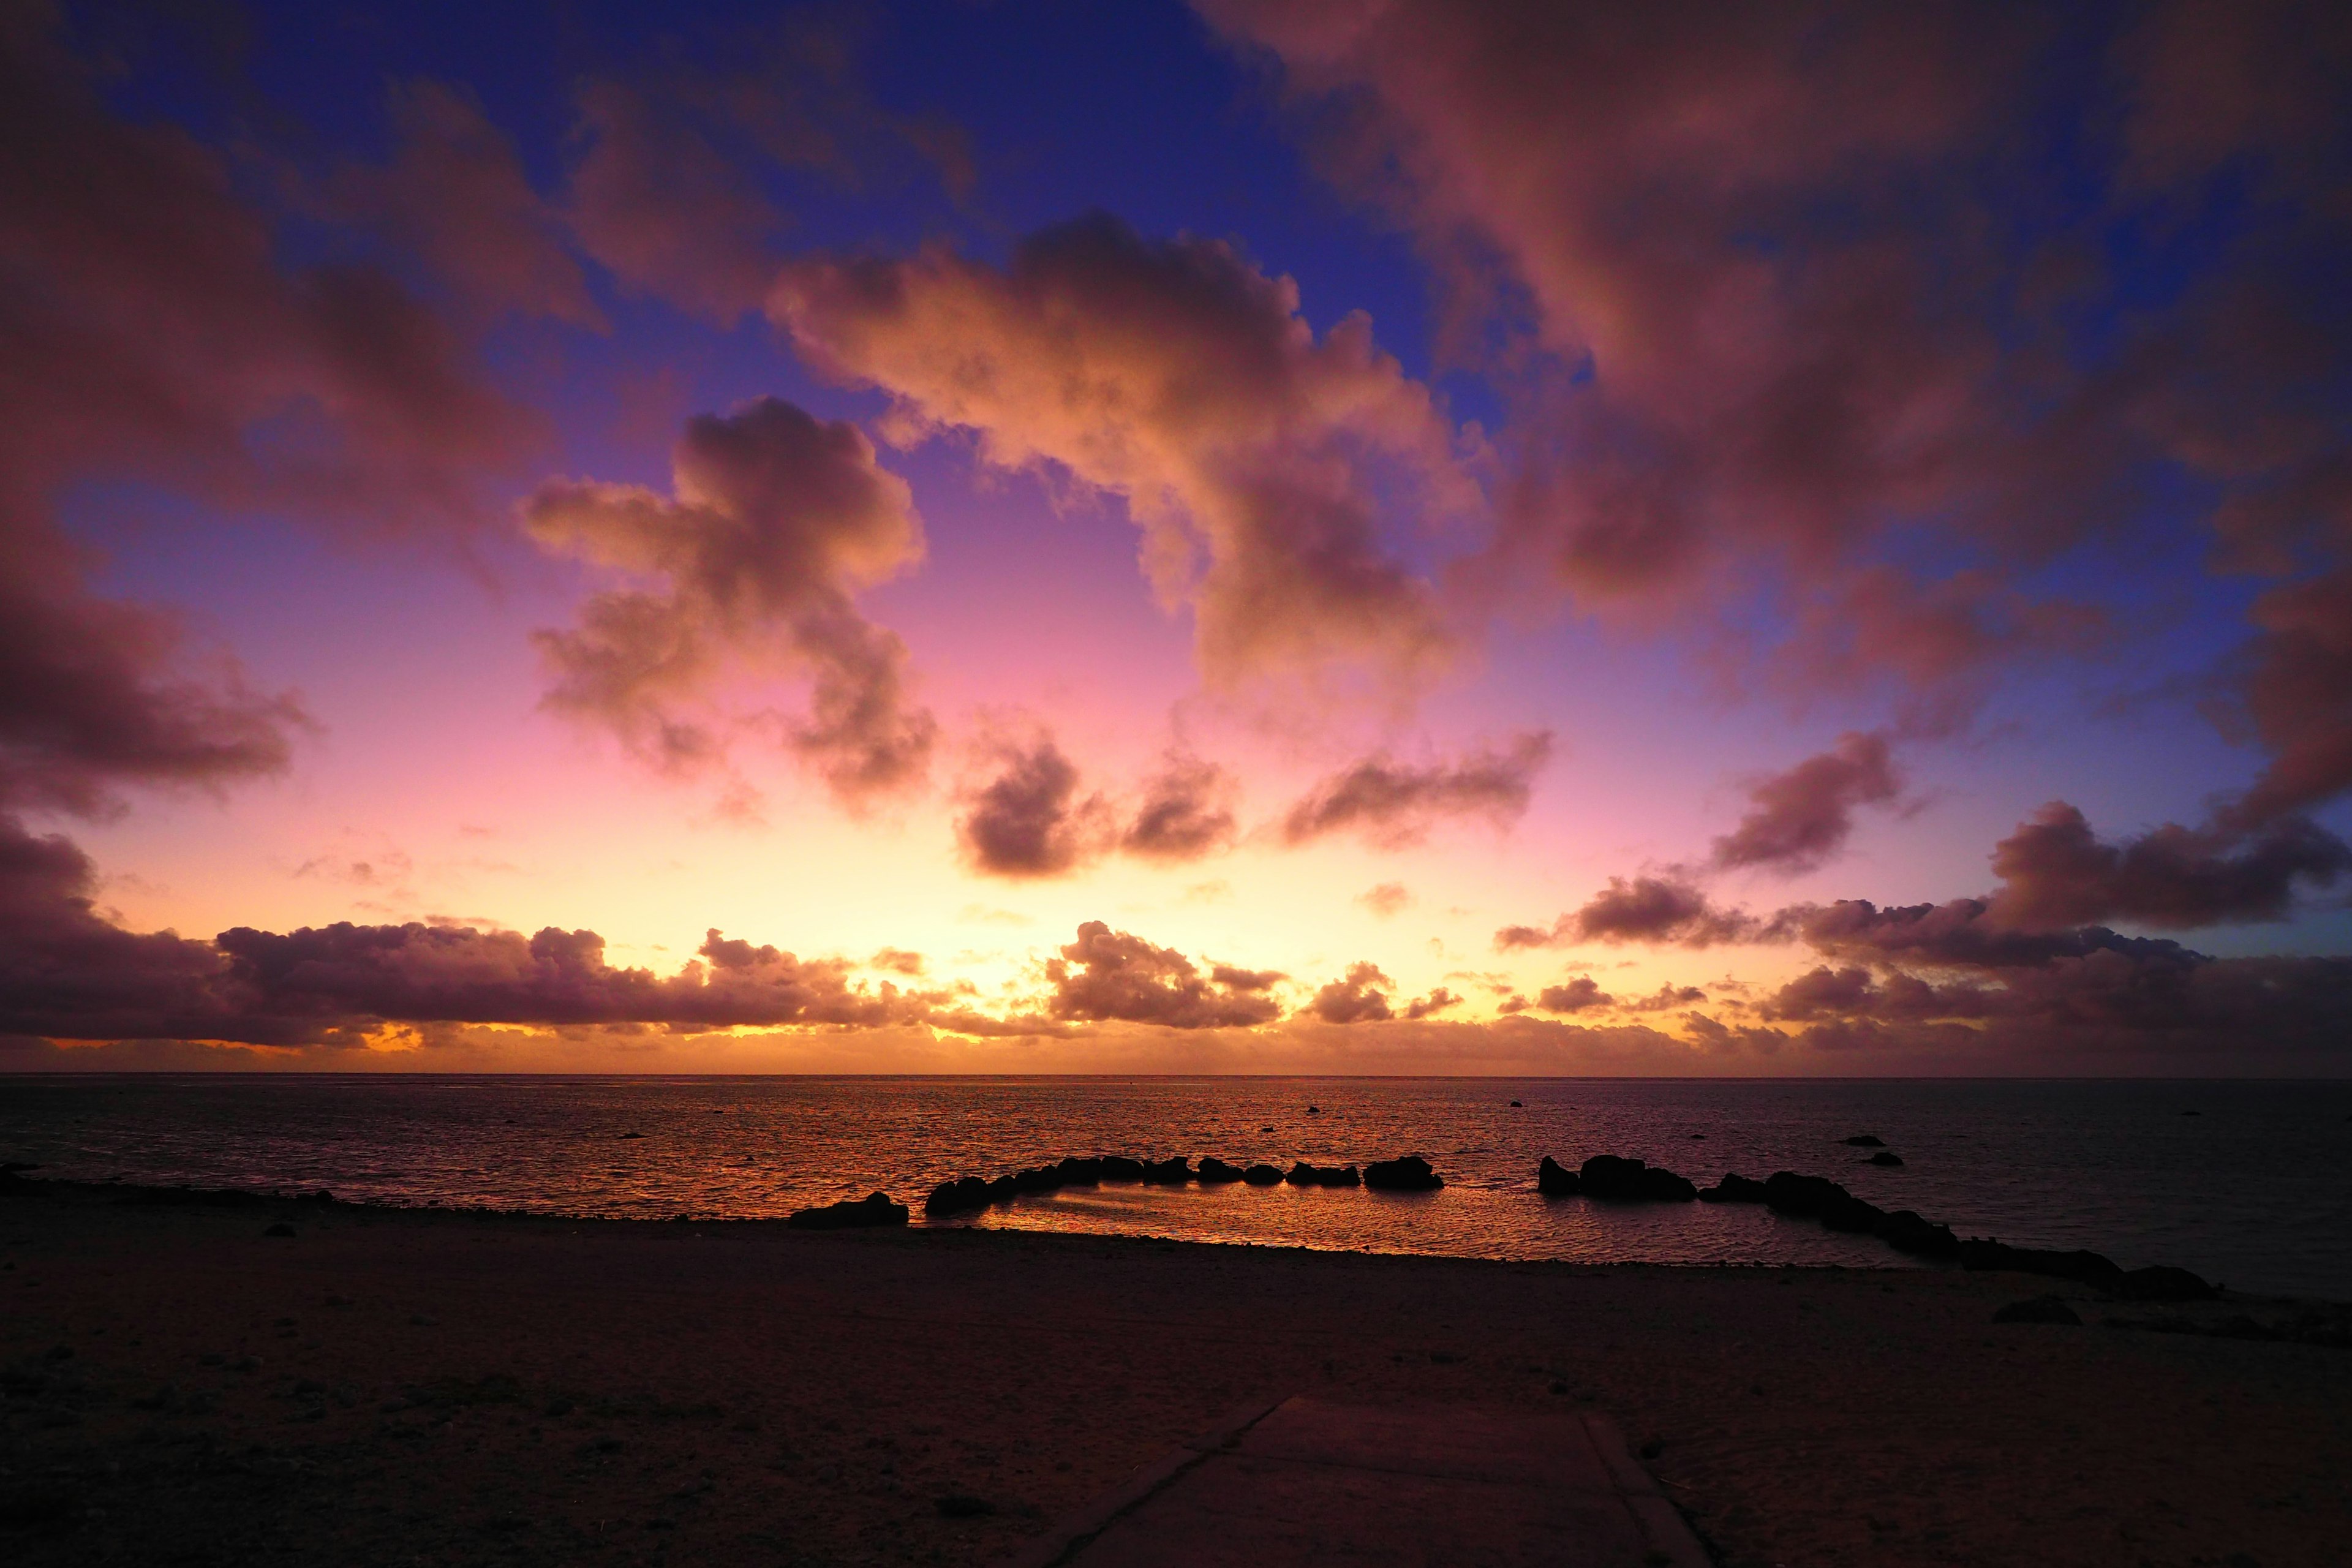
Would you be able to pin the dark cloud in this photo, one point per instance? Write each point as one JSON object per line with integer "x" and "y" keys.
{"x": 1259, "y": 461}
{"x": 1574, "y": 996}
{"x": 776, "y": 520}
{"x": 1802, "y": 817}
{"x": 2055, "y": 872}
{"x": 1391, "y": 804}
{"x": 1029, "y": 821}
{"x": 1360, "y": 997}
{"x": 1185, "y": 813}
{"x": 1762, "y": 324}
{"x": 1665, "y": 999}
{"x": 152, "y": 335}
{"x": 1436, "y": 1002}
{"x": 1958, "y": 933}
{"x": 67, "y": 973}
{"x": 1107, "y": 975}
{"x": 1236, "y": 979}
{"x": 1657, "y": 909}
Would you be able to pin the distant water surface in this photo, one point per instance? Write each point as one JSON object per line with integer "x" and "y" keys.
{"x": 2253, "y": 1188}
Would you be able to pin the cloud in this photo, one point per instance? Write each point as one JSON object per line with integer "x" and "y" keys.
{"x": 1762, "y": 327}
{"x": 1665, "y": 999}
{"x": 1029, "y": 820}
{"x": 454, "y": 193}
{"x": 1659, "y": 910}
{"x": 1360, "y": 997}
{"x": 1386, "y": 900}
{"x": 1107, "y": 975}
{"x": 1575, "y": 996}
{"x": 1436, "y": 1002}
{"x": 1392, "y": 804}
{"x": 1185, "y": 814}
{"x": 897, "y": 960}
{"x": 2055, "y": 871}
{"x": 1802, "y": 817}
{"x": 776, "y": 520}
{"x": 1259, "y": 460}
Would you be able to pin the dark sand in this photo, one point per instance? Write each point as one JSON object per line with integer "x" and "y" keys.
{"x": 414, "y": 1387}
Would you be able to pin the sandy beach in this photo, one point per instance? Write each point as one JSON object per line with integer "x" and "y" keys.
{"x": 419, "y": 1387}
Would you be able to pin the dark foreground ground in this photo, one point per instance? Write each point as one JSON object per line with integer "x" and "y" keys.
{"x": 421, "y": 1388}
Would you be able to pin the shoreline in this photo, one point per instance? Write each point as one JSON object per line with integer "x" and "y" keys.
{"x": 403, "y": 1382}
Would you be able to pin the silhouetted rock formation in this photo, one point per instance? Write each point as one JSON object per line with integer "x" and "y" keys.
{"x": 1884, "y": 1157}
{"x": 1171, "y": 1172}
{"x": 1733, "y": 1189}
{"x": 1303, "y": 1174}
{"x": 1410, "y": 1174}
{"x": 2040, "y": 1310}
{"x": 1263, "y": 1175}
{"x": 1118, "y": 1168}
{"x": 1905, "y": 1232}
{"x": 873, "y": 1209}
{"x": 2085, "y": 1268}
{"x": 1077, "y": 1173}
{"x": 1612, "y": 1176}
{"x": 1214, "y": 1171}
{"x": 1554, "y": 1180}
{"x": 1865, "y": 1141}
{"x": 966, "y": 1196}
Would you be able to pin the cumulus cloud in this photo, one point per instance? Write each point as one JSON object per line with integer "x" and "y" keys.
{"x": 153, "y": 333}
{"x": 1662, "y": 910}
{"x": 1185, "y": 813}
{"x": 1783, "y": 329}
{"x": 1386, "y": 900}
{"x": 1030, "y": 821}
{"x": 776, "y": 518}
{"x": 1437, "y": 1001}
{"x": 1107, "y": 975}
{"x": 1258, "y": 459}
{"x": 1360, "y": 996}
{"x": 1392, "y": 804}
{"x": 1575, "y": 996}
{"x": 1802, "y": 817}
{"x": 2055, "y": 871}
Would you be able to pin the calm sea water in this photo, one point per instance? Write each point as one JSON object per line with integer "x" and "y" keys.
{"x": 2255, "y": 1188}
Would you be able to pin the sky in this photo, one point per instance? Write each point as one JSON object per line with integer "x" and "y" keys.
{"x": 1357, "y": 536}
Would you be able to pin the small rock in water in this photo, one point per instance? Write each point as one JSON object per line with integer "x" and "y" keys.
{"x": 626, "y": 1136}
{"x": 1214, "y": 1171}
{"x": 1884, "y": 1157}
{"x": 1314, "y": 1110}
{"x": 1612, "y": 1176}
{"x": 1517, "y": 1105}
{"x": 1734, "y": 1189}
{"x": 1865, "y": 1141}
{"x": 280, "y": 1228}
{"x": 1263, "y": 1175}
{"x": 1412, "y": 1174}
{"x": 1554, "y": 1180}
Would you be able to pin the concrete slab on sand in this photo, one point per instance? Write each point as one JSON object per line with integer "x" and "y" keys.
{"x": 1305, "y": 1481}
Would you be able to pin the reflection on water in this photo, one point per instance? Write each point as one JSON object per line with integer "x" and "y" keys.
{"x": 2253, "y": 1189}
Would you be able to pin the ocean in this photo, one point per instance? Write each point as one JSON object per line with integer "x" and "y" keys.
{"x": 2245, "y": 1183}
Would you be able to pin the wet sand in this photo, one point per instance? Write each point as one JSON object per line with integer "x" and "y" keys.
{"x": 418, "y": 1387}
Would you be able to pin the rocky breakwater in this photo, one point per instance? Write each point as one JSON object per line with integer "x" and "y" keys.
{"x": 1615, "y": 1178}
{"x": 971, "y": 1194}
{"x": 875, "y": 1209}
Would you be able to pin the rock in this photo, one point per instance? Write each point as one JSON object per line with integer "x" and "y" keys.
{"x": 1853, "y": 1215}
{"x": 626, "y": 1136}
{"x": 873, "y": 1209}
{"x": 1517, "y": 1105}
{"x": 1734, "y": 1189}
{"x": 2038, "y": 1309}
{"x": 1615, "y": 1177}
{"x": 1167, "y": 1173}
{"x": 1314, "y": 1110}
{"x": 2158, "y": 1283}
{"x": 2088, "y": 1268}
{"x": 1119, "y": 1168}
{"x": 1864, "y": 1140}
{"x": 280, "y": 1228}
{"x": 965, "y": 1196}
{"x": 1554, "y": 1180}
{"x": 1905, "y": 1231}
{"x": 1785, "y": 1192}
{"x": 1884, "y": 1157}
{"x": 1412, "y": 1174}
{"x": 1076, "y": 1173}
{"x": 1303, "y": 1174}
{"x": 1214, "y": 1171}
{"x": 1263, "y": 1175}
{"x": 1044, "y": 1179}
